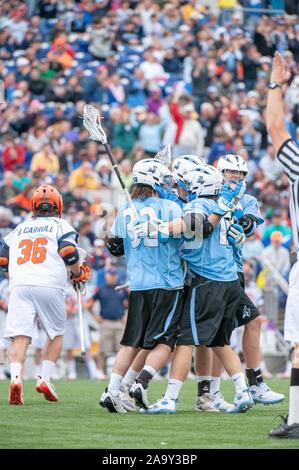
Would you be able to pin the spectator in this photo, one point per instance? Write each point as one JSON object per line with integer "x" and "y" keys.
{"x": 13, "y": 154}
{"x": 84, "y": 177}
{"x": 271, "y": 167}
{"x": 277, "y": 226}
{"x": 45, "y": 160}
{"x": 112, "y": 312}
{"x": 277, "y": 255}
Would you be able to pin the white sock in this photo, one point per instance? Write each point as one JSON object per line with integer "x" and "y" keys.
{"x": 151, "y": 370}
{"x": 173, "y": 389}
{"x": 201, "y": 378}
{"x": 15, "y": 370}
{"x": 239, "y": 381}
{"x": 215, "y": 385}
{"x": 130, "y": 377}
{"x": 47, "y": 370}
{"x": 294, "y": 405}
{"x": 37, "y": 370}
{"x": 114, "y": 384}
{"x": 71, "y": 367}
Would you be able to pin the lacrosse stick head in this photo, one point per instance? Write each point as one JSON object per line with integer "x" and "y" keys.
{"x": 92, "y": 123}
{"x": 164, "y": 155}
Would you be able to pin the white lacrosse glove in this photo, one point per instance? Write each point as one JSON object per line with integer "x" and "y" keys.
{"x": 229, "y": 198}
{"x": 236, "y": 235}
{"x": 152, "y": 229}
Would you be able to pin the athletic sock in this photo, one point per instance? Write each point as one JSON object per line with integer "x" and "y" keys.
{"x": 114, "y": 384}
{"x": 294, "y": 398}
{"x": 145, "y": 376}
{"x": 173, "y": 389}
{"x": 239, "y": 381}
{"x": 130, "y": 377}
{"x": 71, "y": 367}
{"x": 47, "y": 370}
{"x": 203, "y": 384}
{"x": 15, "y": 370}
{"x": 215, "y": 385}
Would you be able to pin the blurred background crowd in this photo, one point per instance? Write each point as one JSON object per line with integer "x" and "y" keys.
{"x": 193, "y": 74}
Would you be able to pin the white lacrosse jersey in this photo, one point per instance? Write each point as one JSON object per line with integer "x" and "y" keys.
{"x": 33, "y": 252}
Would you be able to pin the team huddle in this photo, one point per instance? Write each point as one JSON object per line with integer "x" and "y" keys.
{"x": 183, "y": 248}
{"x": 182, "y": 241}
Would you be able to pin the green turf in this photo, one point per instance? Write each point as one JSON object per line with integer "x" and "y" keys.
{"x": 77, "y": 421}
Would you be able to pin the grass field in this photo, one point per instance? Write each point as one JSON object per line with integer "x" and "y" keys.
{"x": 77, "y": 421}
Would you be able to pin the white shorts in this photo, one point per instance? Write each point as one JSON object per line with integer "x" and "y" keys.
{"x": 71, "y": 339}
{"x": 291, "y": 321}
{"x": 27, "y": 303}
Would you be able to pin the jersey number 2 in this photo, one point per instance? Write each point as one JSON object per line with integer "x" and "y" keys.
{"x": 34, "y": 251}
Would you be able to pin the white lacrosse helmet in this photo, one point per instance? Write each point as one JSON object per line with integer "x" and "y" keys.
{"x": 204, "y": 181}
{"x": 151, "y": 172}
{"x": 182, "y": 165}
{"x": 232, "y": 162}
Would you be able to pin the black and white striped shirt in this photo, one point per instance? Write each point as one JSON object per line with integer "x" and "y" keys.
{"x": 288, "y": 155}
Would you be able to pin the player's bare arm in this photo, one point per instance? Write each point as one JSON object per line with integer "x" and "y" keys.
{"x": 274, "y": 111}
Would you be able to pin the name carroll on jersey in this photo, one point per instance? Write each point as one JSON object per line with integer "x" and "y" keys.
{"x": 45, "y": 228}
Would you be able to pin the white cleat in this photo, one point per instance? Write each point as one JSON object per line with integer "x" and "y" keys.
{"x": 205, "y": 403}
{"x": 113, "y": 404}
{"x": 140, "y": 395}
{"x": 127, "y": 401}
{"x": 165, "y": 405}
{"x": 263, "y": 394}
{"x": 219, "y": 403}
{"x": 242, "y": 402}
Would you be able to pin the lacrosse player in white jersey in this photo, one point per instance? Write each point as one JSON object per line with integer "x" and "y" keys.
{"x": 37, "y": 254}
{"x": 288, "y": 155}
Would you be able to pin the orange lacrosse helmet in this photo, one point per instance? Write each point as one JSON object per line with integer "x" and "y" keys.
{"x": 49, "y": 197}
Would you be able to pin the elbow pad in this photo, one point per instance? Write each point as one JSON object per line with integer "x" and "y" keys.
{"x": 115, "y": 245}
{"x": 4, "y": 256}
{"x": 249, "y": 224}
{"x": 68, "y": 253}
{"x": 198, "y": 223}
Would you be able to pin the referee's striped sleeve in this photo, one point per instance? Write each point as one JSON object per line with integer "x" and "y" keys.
{"x": 288, "y": 155}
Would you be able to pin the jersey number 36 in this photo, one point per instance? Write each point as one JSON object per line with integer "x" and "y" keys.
{"x": 32, "y": 250}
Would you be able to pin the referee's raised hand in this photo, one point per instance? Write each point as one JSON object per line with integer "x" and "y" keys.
{"x": 279, "y": 74}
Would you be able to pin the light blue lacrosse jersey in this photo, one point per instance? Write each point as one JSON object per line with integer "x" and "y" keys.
{"x": 151, "y": 264}
{"x": 248, "y": 205}
{"x": 211, "y": 257}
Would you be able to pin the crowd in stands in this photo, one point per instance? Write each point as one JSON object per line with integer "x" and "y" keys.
{"x": 161, "y": 72}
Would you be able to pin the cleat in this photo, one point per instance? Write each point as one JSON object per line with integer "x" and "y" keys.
{"x": 205, "y": 403}
{"x": 242, "y": 402}
{"x": 285, "y": 431}
{"x": 113, "y": 404}
{"x": 47, "y": 389}
{"x": 16, "y": 393}
{"x": 219, "y": 403}
{"x": 165, "y": 405}
{"x": 263, "y": 394}
{"x": 127, "y": 401}
{"x": 140, "y": 395}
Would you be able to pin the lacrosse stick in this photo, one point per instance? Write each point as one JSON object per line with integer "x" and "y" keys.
{"x": 121, "y": 287}
{"x": 92, "y": 122}
{"x": 82, "y": 258}
{"x": 164, "y": 155}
